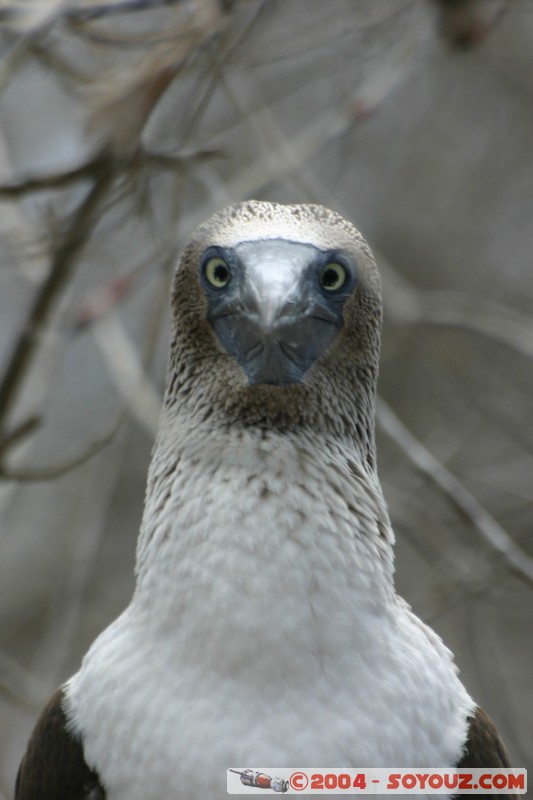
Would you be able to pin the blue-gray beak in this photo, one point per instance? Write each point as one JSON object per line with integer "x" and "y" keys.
{"x": 276, "y": 306}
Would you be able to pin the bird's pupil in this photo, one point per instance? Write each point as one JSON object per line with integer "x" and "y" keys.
{"x": 330, "y": 278}
{"x": 221, "y": 273}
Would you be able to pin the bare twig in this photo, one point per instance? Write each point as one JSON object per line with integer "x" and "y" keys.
{"x": 219, "y": 59}
{"x": 477, "y": 315}
{"x": 124, "y": 104}
{"x": 177, "y": 161}
{"x": 55, "y": 180}
{"x": 16, "y": 56}
{"x": 98, "y": 10}
{"x": 53, "y": 471}
{"x": 22, "y": 430}
{"x": 480, "y": 316}
{"x": 13, "y": 12}
{"x": 63, "y": 262}
{"x": 273, "y": 164}
{"x": 102, "y": 303}
{"x": 288, "y": 156}
{"x": 126, "y": 368}
{"x": 104, "y": 299}
{"x": 490, "y": 531}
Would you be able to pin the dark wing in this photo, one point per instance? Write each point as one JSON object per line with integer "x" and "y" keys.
{"x": 53, "y": 767}
{"x": 484, "y": 748}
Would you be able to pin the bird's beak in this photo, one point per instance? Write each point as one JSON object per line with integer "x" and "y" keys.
{"x": 275, "y": 322}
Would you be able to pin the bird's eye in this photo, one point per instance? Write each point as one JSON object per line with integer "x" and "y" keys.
{"x": 217, "y": 272}
{"x": 333, "y": 276}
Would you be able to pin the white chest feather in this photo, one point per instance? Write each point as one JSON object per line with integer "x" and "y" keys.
{"x": 264, "y": 631}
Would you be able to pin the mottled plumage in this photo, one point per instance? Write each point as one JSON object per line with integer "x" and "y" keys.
{"x": 264, "y": 629}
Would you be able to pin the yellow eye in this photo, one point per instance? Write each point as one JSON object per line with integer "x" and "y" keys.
{"x": 333, "y": 276}
{"x": 217, "y": 272}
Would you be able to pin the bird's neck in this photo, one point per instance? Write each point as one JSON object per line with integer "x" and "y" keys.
{"x": 247, "y": 525}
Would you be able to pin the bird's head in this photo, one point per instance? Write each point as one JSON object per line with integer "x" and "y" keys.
{"x": 277, "y": 318}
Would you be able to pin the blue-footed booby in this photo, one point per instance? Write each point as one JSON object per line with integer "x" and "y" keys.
{"x": 264, "y": 629}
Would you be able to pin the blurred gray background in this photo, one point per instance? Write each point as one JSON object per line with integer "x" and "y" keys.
{"x": 122, "y": 125}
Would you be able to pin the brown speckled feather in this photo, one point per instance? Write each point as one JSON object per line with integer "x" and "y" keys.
{"x": 53, "y": 767}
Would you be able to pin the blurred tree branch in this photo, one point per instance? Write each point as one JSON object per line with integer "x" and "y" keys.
{"x": 477, "y": 315}
{"x": 55, "y": 180}
{"x": 62, "y": 265}
{"x": 131, "y": 101}
{"x": 491, "y": 533}
{"x": 15, "y": 12}
{"x": 54, "y": 471}
{"x": 467, "y": 23}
